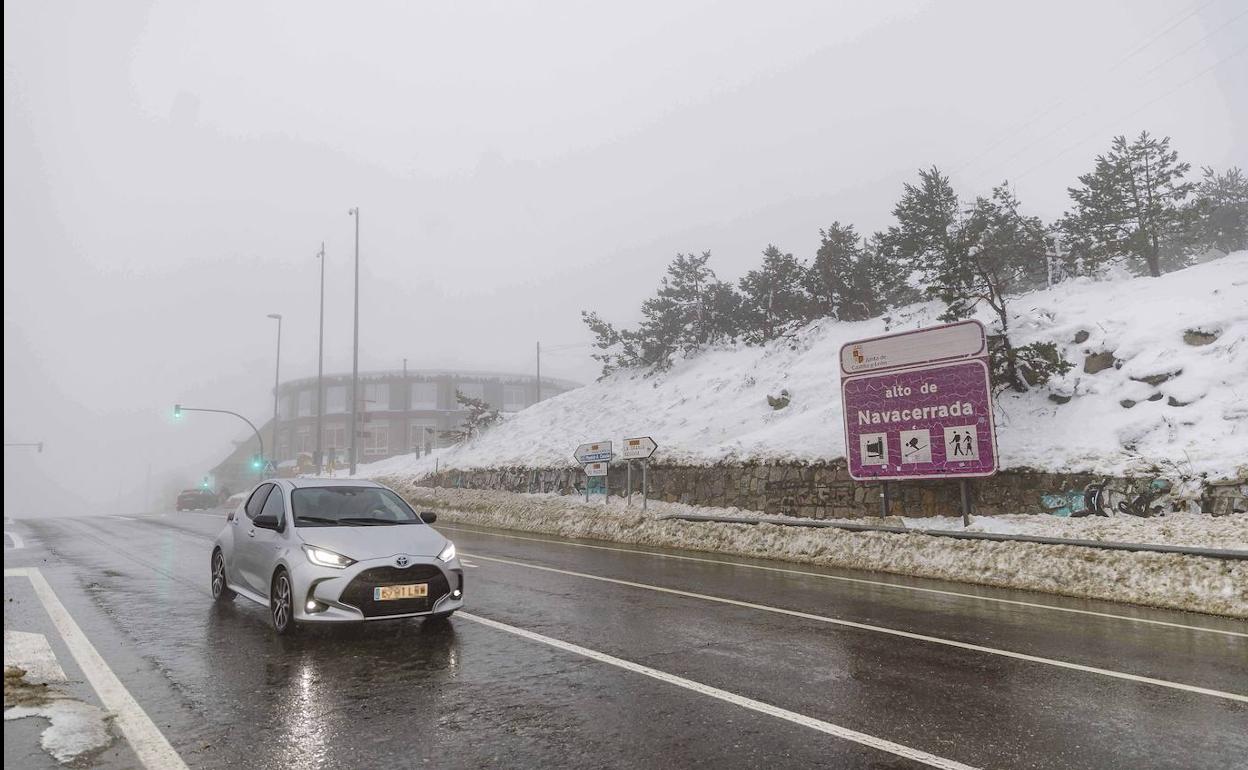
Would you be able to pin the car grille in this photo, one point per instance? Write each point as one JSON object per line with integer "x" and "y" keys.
{"x": 359, "y": 592}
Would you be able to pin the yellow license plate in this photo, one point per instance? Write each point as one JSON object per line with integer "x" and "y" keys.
{"x": 411, "y": 591}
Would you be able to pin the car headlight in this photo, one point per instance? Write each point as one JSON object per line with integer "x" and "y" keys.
{"x": 448, "y": 552}
{"x": 324, "y": 558}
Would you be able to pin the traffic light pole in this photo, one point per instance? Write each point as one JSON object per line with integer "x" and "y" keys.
{"x": 179, "y": 409}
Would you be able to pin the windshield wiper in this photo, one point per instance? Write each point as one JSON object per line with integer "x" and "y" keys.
{"x": 368, "y": 521}
{"x": 316, "y": 519}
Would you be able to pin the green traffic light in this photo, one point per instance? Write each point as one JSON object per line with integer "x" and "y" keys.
{"x": 177, "y": 411}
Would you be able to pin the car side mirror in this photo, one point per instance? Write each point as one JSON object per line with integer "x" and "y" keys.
{"x": 268, "y": 521}
{"x": 428, "y": 517}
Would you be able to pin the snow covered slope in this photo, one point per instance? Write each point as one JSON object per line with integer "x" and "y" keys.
{"x": 713, "y": 408}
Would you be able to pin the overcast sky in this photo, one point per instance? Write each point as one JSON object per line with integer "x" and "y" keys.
{"x": 172, "y": 168}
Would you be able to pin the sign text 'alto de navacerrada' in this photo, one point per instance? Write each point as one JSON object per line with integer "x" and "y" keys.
{"x": 918, "y": 405}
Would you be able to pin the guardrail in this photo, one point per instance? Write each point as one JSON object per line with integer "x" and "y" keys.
{"x": 1107, "y": 545}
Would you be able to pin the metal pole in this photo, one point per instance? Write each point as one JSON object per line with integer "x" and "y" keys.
{"x": 587, "y": 478}
{"x": 277, "y": 371}
{"x": 966, "y": 503}
{"x": 320, "y": 372}
{"x": 645, "y": 491}
{"x": 250, "y": 424}
{"x": 884, "y": 500}
{"x": 539, "y": 371}
{"x": 355, "y": 348}
{"x": 606, "y": 485}
{"x": 628, "y": 492}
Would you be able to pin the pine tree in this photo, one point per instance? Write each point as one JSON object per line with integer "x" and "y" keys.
{"x": 1219, "y": 213}
{"x": 690, "y": 310}
{"x": 927, "y": 216}
{"x": 830, "y": 279}
{"x": 881, "y": 280}
{"x": 1131, "y": 205}
{"x": 479, "y": 417}
{"x": 774, "y": 299}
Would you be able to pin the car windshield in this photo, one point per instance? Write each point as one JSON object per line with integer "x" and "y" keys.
{"x": 349, "y": 507}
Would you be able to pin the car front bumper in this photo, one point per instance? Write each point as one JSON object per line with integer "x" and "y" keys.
{"x": 346, "y": 595}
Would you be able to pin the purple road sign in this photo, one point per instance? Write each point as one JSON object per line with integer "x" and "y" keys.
{"x": 927, "y": 422}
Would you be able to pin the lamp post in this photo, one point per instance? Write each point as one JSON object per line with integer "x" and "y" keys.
{"x": 277, "y": 371}
{"x": 355, "y": 348}
{"x": 178, "y": 409}
{"x": 320, "y": 369}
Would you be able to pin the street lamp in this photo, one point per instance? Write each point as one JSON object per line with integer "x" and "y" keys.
{"x": 277, "y": 370}
{"x": 320, "y": 368}
{"x": 355, "y": 350}
{"x": 178, "y": 409}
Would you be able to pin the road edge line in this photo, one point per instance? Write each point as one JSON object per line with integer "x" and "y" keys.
{"x": 882, "y": 630}
{"x": 145, "y": 738}
{"x": 761, "y": 707}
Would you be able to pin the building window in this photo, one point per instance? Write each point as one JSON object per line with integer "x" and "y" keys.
{"x": 471, "y": 390}
{"x": 422, "y": 435}
{"x": 303, "y": 440}
{"x": 305, "y": 403}
{"x": 376, "y": 438}
{"x": 335, "y": 439}
{"x": 376, "y": 396}
{"x": 336, "y": 399}
{"x": 283, "y": 445}
{"x": 424, "y": 395}
{"x": 514, "y": 398}
{"x": 284, "y": 408}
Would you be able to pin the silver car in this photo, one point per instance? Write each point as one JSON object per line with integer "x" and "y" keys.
{"x": 335, "y": 550}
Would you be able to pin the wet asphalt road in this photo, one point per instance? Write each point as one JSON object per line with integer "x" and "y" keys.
{"x": 989, "y": 683}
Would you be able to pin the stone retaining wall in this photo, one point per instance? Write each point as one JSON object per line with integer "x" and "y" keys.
{"x": 816, "y": 491}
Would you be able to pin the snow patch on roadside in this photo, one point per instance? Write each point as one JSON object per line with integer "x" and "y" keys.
{"x": 75, "y": 730}
{"x": 1162, "y": 580}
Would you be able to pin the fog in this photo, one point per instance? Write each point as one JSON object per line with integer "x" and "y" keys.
{"x": 171, "y": 170}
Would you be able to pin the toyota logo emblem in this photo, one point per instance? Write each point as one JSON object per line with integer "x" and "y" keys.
{"x": 400, "y": 561}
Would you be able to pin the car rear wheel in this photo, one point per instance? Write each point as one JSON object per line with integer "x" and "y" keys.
{"x": 220, "y": 591}
{"x": 282, "y": 604}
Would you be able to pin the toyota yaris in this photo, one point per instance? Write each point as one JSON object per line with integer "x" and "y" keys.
{"x": 335, "y": 550}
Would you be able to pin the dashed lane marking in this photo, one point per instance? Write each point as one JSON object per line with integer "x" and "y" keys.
{"x": 882, "y": 630}
{"x": 146, "y": 740}
{"x": 844, "y": 733}
{"x": 861, "y": 581}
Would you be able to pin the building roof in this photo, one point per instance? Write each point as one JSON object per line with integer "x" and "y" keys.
{"x": 421, "y": 373}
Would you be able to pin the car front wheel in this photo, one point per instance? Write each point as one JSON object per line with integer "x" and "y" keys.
{"x": 282, "y": 605}
{"x": 220, "y": 591}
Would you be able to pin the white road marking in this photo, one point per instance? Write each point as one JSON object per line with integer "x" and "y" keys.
{"x": 882, "y": 630}
{"x": 123, "y": 518}
{"x": 32, "y": 653}
{"x": 16, "y": 538}
{"x": 469, "y": 564}
{"x": 146, "y": 740}
{"x": 863, "y": 581}
{"x": 729, "y": 697}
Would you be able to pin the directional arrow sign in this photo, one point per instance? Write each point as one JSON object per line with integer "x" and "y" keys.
{"x": 595, "y": 469}
{"x": 599, "y": 451}
{"x": 638, "y": 448}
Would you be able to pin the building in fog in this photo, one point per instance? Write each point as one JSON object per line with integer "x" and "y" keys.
{"x": 400, "y": 412}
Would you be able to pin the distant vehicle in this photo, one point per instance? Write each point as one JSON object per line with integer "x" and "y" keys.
{"x": 198, "y": 499}
{"x": 318, "y": 550}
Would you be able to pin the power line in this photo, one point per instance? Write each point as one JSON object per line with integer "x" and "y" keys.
{"x": 1011, "y": 132}
{"x": 1093, "y": 109}
{"x": 1135, "y": 112}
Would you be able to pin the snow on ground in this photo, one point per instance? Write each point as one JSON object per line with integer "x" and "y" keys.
{"x": 713, "y": 408}
{"x": 1163, "y": 580}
